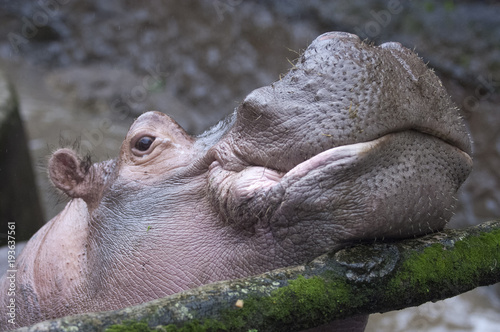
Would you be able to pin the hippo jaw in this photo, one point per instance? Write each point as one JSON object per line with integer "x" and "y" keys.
{"x": 399, "y": 185}
{"x": 355, "y": 142}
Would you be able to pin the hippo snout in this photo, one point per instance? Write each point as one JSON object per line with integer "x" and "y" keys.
{"x": 352, "y": 132}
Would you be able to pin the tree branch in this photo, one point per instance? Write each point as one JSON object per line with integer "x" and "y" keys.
{"x": 362, "y": 279}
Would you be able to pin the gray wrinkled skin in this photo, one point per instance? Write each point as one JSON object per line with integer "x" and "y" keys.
{"x": 355, "y": 142}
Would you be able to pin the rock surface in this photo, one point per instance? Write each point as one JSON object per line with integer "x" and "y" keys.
{"x": 19, "y": 204}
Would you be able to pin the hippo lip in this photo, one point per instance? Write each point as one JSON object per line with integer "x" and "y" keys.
{"x": 459, "y": 141}
{"x": 347, "y": 154}
{"x": 339, "y": 156}
{"x": 395, "y": 184}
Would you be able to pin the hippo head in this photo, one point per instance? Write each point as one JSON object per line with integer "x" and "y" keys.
{"x": 356, "y": 142}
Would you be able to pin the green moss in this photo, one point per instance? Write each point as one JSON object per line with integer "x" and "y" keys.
{"x": 312, "y": 298}
{"x": 194, "y": 326}
{"x": 460, "y": 265}
{"x": 303, "y": 300}
{"x": 129, "y": 326}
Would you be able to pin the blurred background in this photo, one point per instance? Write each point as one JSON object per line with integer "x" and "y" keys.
{"x": 81, "y": 71}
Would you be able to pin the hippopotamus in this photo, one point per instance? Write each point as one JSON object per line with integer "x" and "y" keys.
{"x": 356, "y": 142}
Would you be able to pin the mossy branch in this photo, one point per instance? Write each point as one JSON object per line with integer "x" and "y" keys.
{"x": 363, "y": 279}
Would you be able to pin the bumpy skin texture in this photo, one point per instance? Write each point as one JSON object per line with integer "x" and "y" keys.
{"x": 355, "y": 142}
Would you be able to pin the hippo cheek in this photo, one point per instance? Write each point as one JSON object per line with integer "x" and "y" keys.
{"x": 399, "y": 185}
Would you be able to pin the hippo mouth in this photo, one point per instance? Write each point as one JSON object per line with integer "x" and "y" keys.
{"x": 351, "y": 153}
{"x": 393, "y": 185}
{"x": 383, "y": 150}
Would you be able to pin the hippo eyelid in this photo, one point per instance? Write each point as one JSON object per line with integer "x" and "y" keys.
{"x": 165, "y": 140}
{"x": 138, "y": 151}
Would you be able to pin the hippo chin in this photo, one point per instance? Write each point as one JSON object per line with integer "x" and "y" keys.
{"x": 355, "y": 142}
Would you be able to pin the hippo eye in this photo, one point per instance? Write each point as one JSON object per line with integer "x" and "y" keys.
{"x": 144, "y": 143}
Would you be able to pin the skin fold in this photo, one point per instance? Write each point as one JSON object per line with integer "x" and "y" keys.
{"x": 356, "y": 142}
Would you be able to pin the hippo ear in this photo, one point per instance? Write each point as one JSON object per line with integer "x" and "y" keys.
{"x": 69, "y": 173}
